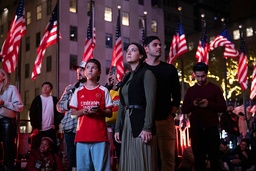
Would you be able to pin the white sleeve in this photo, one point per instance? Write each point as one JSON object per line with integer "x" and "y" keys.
{"x": 108, "y": 100}
{"x": 74, "y": 102}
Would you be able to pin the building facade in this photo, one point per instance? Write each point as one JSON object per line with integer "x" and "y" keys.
{"x": 73, "y": 22}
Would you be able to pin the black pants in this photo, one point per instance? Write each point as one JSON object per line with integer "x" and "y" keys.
{"x": 205, "y": 141}
{"x": 7, "y": 136}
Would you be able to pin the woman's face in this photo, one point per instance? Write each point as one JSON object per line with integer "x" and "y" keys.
{"x": 132, "y": 54}
{"x": 2, "y": 77}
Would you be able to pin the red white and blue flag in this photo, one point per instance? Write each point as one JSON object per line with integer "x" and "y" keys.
{"x": 225, "y": 40}
{"x": 253, "y": 86}
{"x": 202, "y": 53}
{"x": 90, "y": 41}
{"x": 178, "y": 45}
{"x": 117, "y": 57}
{"x": 10, "y": 48}
{"x": 49, "y": 38}
{"x": 242, "y": 66}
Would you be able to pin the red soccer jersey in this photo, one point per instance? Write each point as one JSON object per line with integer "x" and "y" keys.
{"x": 91, "y": 128}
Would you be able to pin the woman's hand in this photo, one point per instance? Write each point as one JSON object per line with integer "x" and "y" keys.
{"x": 146, "y": 136}
{"x": 117, "y": 137}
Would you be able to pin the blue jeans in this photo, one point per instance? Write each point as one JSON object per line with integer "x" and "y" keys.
{"x": 93, "y": 156}
{"x": 71, "y": 149}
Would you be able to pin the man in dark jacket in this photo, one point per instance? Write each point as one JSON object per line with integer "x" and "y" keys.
{"x": 44, "y": 116}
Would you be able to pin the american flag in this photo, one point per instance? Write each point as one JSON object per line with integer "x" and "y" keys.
{"x": 225, "y": 40}
{"x": 242, "y": 66}
{"x": 49, "y": 38}
{"x": 253, "y": 86}
{"x": 117, "y": 57}
{"x": 202, "y": 53}
{"x": 90, "y": 41}
{"x": 10, "y": 48}
{"x": 178, "y": 45}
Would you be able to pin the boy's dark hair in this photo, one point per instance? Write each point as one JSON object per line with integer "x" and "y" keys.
{"x": 149, "y": 39}
{"x": 48, "y": 83}
{"x": 200, "y": 66}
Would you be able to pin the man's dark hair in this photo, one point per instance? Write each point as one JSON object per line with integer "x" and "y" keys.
{"x": 200, "y": 66}
{"x": 149, "y": 39}
{"x": 48, "y": 83}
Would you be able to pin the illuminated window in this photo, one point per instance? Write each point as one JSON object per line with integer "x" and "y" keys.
{"x": 190, "y": 46}
{"x": 73, "y": 6}
{"x": 236, "y": 34}
{"x": 249, "y": 31}
{"x": 125, "y": 19}
{"x": 154, "y": 26}
{"x": 108, "y": 14}
{"x": 108, "y": 40}
{"x": 38, "y": 12}
{"x": 28, "y": 17}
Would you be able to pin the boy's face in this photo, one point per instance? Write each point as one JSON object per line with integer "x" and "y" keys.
{"x": 91, "y": 71}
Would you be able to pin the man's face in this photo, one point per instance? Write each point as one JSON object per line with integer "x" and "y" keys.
{"x": 154, "y": 48}
{"x": 46, "y": 89}
{"x": 80, "y": 74}
{"x": 201, "y": 77}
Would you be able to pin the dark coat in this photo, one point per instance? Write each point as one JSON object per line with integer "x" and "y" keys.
{"x": 35, "y": 113}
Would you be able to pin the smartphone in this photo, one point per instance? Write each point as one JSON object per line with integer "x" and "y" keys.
{"x": 94, "y": 107}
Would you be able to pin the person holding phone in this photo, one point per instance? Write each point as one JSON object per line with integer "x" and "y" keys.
{"x": 204, "y": 101}
{"x": 91, "y": 103}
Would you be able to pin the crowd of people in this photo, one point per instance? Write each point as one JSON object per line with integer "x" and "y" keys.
{"x": 129, "y": 124}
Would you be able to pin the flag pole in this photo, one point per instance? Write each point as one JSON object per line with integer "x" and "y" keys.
{"x": 145, "y": 24}
{"x": 225, "y": 69}
{"x": 18, "y": 74}
{"x": 58, "y": 51}
{"x": 243, "y": 90}
{"x": 182, "y": 62}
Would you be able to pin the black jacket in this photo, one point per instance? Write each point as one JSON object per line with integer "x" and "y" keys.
{"x": 136, "y": 96}
{"x": 35, "y": 113}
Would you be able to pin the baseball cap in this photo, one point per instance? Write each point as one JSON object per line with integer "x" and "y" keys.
{"x": 81, "y": 65}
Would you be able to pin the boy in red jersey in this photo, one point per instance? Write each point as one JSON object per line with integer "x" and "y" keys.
{"x": 91, "y": 103}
